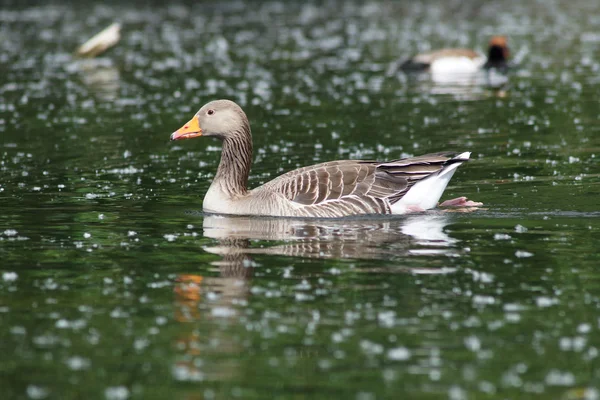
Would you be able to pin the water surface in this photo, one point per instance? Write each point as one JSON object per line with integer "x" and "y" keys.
{"x": 114, "y": 285}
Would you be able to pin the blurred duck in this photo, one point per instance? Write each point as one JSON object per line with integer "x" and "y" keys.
{"x": 328, "y": 190}
{"x": 101, "y": 42}
{"x": 461, "y": 60}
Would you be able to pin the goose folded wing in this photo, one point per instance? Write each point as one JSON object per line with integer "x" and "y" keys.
{"x": 337, "y": 181}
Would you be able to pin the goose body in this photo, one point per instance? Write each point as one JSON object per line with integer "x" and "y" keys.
{"x": 327, "y": 190}
{"x": 456, "y": 61}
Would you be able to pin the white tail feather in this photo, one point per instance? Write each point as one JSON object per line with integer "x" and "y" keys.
{"x": 426, "y": 193}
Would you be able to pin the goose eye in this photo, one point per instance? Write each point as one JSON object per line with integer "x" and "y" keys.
{"x": 210, "y": 112}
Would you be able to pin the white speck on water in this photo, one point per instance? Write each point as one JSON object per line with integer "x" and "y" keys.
{"x": 371, "y": 347}
{"x": 85, "y": 309}
{"x": 399, "y": 354}
{"x": 158, "y": 285}
{"x": 170, "y": 237}
{"x": 365, "y": 396}
{"x": 501, "y": 236}
{"x": 590, "y": 37}
{"x": 37, "y": 392}
{"x": 9, "y": 276}
{"x": 457, "y": 393}
{"x": 223, "y": 312}
{"x": 337, "y": 337}
{"x": 495, "y": 325}
{"x": 212, "y": 296}
{"x": 91, "y": 196}
{"x": 185, "y": 373}
{"x": 191, "y": 84}
{"x": 484, "y": 277}
{"x": 77, "y": 363}
{"x": 304, "y": 285}
{"x": 18, "y": 330}
{"x": 576, "y": 343}
{"x": 126, "y": 171}
{"x": 523, "y": 254}
{"x": 435, "y": 374}
{"x": 87, "y": 235}
{"x": 472, "y": 343}
{"x": 479, "y": 299}
{"x": 116, "y": 393}
{"x": 131, "y": 233}
{"x": 303, "y": 297}
{"x": 387, "y": 318}
{"x": 126, "y": 154}
{"x": 45, "y": 340}
{"x": 573, "y": 160}
{"x": 487, "y": 387}
{"x": 511, "y": 307}
{"x": 584, "y": 328}
{"x": 62, "y": 324}
{"x": 543, "y": 301}
{"x": 324, "y": 364}
{"x": 512, "y": 317}
{"x": 591, "y": 394}
{"x": 118, "y": 313}
{"x": 520, "y": 229}
{"x": 141, "y": 343}
{"x": 101, "y": 216}
{"x": 560, "y": 378}
{"x": 10, "y": 232}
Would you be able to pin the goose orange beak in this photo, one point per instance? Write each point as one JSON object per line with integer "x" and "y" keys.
{"x": 190, "y": 130}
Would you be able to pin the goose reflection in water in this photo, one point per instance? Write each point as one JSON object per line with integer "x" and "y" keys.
{"x": 466, "y": 87}
{"x": 207, "y": 304}
{"x": 355, "y": 238}
{"x": 100, "y": 75}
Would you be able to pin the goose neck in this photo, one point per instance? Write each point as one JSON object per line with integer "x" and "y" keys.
{"x": 234, "y": 168}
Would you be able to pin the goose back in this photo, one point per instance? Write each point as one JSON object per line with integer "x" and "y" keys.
{"x": 350, "y": 187}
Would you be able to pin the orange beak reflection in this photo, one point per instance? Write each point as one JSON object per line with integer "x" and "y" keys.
{"x": 190, "y": 130}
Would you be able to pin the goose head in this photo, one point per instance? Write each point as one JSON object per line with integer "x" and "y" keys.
{"x": 498, "y": 52}
{"x": 220, "y": 118}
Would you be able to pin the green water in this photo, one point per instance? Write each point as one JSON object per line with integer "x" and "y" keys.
{"x": 114, "y": 285}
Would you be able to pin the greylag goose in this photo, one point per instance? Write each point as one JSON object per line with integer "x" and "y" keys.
{"x": 461, "y": 60}
{"x": 328, "y": 190}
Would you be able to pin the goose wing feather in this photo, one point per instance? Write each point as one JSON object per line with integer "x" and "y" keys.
{"x": 362, "y": 186}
